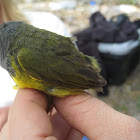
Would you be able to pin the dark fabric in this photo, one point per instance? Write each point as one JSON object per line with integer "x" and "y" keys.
{"x": 119, "y": 29}
{"x": 97, "y": 18}
{"x": 137, "y": 23}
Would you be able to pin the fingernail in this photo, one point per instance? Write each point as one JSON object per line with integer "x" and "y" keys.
{"x": 51, "y": 138}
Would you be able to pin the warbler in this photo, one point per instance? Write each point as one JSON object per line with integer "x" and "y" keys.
{"x": 43, "y": 60}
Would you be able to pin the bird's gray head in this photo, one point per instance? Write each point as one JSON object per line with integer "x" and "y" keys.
{"x": 8, "y": 32}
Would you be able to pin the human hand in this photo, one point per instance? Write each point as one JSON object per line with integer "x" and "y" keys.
{"x": 97, "y": 120}
{"x": 28, "y": 119}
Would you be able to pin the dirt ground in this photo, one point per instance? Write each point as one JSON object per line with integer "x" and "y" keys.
{"x": 124, "y": 98}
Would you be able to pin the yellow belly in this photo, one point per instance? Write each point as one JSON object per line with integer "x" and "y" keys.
{"x": 27, "y": 82}
{"x": 24, "y": 80}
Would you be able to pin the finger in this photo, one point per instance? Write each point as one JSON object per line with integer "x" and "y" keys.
{"x": 27, "y": 117}
{"x": 3, "y": 135}
{"x": 60, "y": 127}
{"x": 51, "y": 138}
{"x": 62, "y": 130}
{"x": 95, "y": 119}
{"x": 3, "y": 116}
{"x": 74, "y": 135}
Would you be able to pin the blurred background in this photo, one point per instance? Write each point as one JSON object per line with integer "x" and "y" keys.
{"x": 105, "y": 29}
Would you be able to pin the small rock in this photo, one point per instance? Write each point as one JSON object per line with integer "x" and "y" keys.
{"x": 56, "y": 6}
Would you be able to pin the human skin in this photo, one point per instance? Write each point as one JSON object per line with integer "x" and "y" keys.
{"x": 3, "y": 115}
{"x": 75, "y": 116}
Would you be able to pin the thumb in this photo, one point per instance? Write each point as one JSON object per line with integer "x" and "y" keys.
{"x": 95, "y": 119}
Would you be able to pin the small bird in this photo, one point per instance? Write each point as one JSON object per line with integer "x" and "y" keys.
{"x": 42, "y": 60}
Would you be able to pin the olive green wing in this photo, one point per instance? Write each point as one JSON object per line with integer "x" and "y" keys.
{"x": 60, "y": 69}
